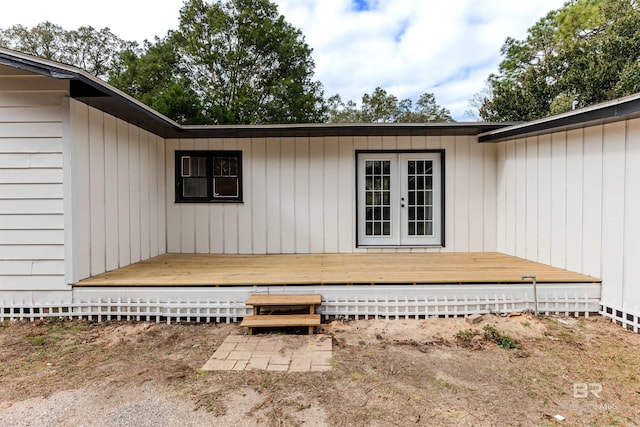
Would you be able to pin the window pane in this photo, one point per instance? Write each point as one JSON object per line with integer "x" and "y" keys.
{"x": 233, "y": 166}
{"x": 386, "y": 182}
{"x": 369, "y": 183}
{"x": 194, "y": 187}
{"x": 186, "y": 166}
{"x": 377, "y": 200}
{"x": 194, "y": 166}
{"x": 386, "y": 228}
{"x": 225, "y": 187}
{"x": 202, "y": 167}
{"x": 377, "y": 229}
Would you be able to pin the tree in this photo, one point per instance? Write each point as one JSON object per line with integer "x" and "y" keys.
{"x": 239, "y": 59}
{"x": 426, "y": 110}
{"x": 341, "y": 112}
{"x": 383, "y": 107}
{"x": 87, "y": 48}
{"x": 380, "y": 106}
{"x": 157, "y": 79}
{"x": 586, "y": 52}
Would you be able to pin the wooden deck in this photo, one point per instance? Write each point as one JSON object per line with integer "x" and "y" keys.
{"x": 330, "y": 269}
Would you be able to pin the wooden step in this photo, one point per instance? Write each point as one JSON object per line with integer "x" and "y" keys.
{"x": 284, "y": 320}
{"x": 278, "y": 321}
{"x": 288, "y": 299}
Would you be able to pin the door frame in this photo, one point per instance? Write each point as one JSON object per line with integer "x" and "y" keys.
{"x": 358, "y": 204}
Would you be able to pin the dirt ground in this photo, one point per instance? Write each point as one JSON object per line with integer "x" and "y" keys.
{"x": 397, "y": 372}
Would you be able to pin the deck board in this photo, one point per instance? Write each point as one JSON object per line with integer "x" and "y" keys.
{"x": 325, "y": 269}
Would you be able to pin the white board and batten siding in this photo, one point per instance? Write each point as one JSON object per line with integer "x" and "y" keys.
{"x": 31, "y": 181}
{"x": 572, "y": 200}
{"x": 300, "y": 196}
{"x": 117, "y": 183}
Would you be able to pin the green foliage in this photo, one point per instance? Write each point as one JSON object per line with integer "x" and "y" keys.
{"x": 586, "y": 52}
{"x": 464, "y": 338}
{"x": 92, "y": 50}
{"x": 35, "y": 341}
{"x": 503, "y": 340}
{"x": 383, "y": 107}
{"x": 157, "y": 79}
{"x": 229, "y": 62}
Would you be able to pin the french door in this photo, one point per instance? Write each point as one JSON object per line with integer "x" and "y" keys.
{"x": 399, "y": 198}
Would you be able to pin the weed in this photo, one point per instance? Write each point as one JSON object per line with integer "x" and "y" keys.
{"x": 200, "y": 375}
{"x": 503, "y": 340}
{"x": 35, "y": 340}
{"x": 464, "y": 338}
{"x": 525, "y": 324}
{"x": 507, "y": 342}
{"x": 442, "y": 384}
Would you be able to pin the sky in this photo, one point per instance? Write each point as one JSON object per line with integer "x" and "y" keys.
{"x": 406, "y": 47}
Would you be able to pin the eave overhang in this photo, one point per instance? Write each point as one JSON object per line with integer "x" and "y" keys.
{"x": 606, "y": 112}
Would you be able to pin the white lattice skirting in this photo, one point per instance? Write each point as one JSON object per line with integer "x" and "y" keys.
{"x": 620, "y": 317}
{"x": 345, "y": 302}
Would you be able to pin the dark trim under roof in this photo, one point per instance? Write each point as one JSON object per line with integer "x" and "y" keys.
{"x": 619, "y": 109}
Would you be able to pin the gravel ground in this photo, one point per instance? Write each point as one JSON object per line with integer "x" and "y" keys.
{"x": 105, "y": 405}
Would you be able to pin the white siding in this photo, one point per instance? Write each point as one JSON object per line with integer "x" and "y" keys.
{"x": 116, "y": 205}
{"x": 299, "y": 196}
{"x": 31, "y": 181}
{"x": 580, "y": 203}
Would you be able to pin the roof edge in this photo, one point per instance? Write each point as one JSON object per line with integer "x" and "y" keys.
{"x": 624, "y": 108}
{"x": 58, "y": 70}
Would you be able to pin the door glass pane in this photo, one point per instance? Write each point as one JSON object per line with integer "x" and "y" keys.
{"x": 377, "y": 197}
{"x": 420, "y": 206}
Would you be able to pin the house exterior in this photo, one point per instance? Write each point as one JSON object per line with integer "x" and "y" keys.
{"x": 91, "y": 181}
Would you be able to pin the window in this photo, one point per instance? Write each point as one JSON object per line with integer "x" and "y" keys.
{"x": 208, "y": 176}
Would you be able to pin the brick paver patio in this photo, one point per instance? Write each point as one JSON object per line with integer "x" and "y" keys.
{"x": 285, "y": 353}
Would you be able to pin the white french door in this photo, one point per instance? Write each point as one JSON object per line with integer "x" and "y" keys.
{"x": 399, "y": 198}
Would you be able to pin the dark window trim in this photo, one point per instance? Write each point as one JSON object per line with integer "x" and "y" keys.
{"x": 442, "y": 153}
{"x": 210, "y": 155}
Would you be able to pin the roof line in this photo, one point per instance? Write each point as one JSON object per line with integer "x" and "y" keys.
{"x": 99, "y": 94}
{"x": 605, "y": 112}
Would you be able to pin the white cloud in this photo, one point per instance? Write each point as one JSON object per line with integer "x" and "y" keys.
{"x": 411, "y": 46}
{"x": 405, "y": 46}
